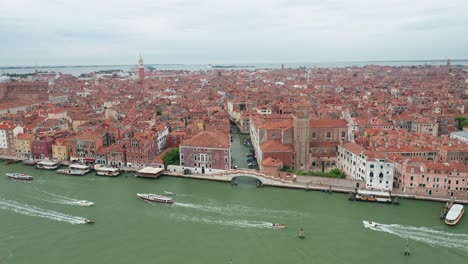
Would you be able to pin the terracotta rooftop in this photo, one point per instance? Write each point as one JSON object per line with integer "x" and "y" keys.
{"x": 208, "y": 139}
{"x": 275, "y": 145}
{"x": 327, "y": 123}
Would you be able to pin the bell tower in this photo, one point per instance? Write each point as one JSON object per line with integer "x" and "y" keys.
{"x": 141, "y": 69}
{"x": 301, "y": 124}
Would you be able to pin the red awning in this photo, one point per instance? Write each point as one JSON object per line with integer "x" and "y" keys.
{"x": 89, "y": 160}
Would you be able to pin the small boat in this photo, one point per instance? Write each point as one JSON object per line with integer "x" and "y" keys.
{"x": 19, "y": 176}
{"x": 279, "y": 225}
{"x": 155, "y": 198}
{"x": 170, "y": 193}
{"x": 370, "y": 224}
{"x": 84, "y": 203}
{"x": 88, "y": 221}
{"x": 454, "y": 214}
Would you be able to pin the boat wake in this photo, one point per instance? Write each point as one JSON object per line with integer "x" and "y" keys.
{"x": 233, "y": 209}
{"x": 31, "y": 210}
{"x": 236, "y": 223}
{"x": 426, "y": 235}
{"x": 58, "y": 199}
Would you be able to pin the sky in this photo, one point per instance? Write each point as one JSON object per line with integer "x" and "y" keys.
{"x": 87, "y": 32}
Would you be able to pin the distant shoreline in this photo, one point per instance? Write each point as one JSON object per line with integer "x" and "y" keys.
{"x": 227, "y": 65}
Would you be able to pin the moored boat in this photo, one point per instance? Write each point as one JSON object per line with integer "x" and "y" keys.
{"x": 19, "y": 176}
{"x": 155, "y": 198}
{"x": 106, "y": 171}
{"x": 84, "y": 203}
{"x": 373, "y": 196}
{"x": 454, "y": 214}
{"x": 48, "y": 165}
{"x": 279, "y": 225}
{"x": 75, "y": 169}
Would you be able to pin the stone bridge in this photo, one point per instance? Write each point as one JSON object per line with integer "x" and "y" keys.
{"x": 264, "y": 179}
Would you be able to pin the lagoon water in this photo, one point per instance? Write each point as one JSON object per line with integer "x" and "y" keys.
{"x": 210, "y": 222}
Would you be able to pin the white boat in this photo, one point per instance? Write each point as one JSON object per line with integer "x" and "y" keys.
{"x": 373, "y": 196}
{"x": 75, "y": 169}
{"x": 279, "y": 225}
{"x": 48, "y": 165}
{"x": 370, "y": 224}
{"x": 454, "y": 214}
{"x": 84, "y": 203}
{"x": 106, "y": 171}
{"x": 19, "y": 176}
{"x": 155, "y": 198}
{"x": 169, "y": 193}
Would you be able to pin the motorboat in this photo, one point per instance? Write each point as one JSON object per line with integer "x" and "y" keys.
{"x": 88, "y": 221}
{"x": 279, "y": 225}
{"x": 19, "y": 176}
{"x": 170, "y": 193}
{"x": 370, "y": 224}
{"x": 155, "y": 198}
{"x": 454, "y": 214}
{"x": 84, "y": 203}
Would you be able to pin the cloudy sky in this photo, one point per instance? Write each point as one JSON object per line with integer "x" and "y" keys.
{"x": 69, "y": 32}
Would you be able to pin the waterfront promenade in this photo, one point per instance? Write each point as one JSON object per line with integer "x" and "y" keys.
{"x": 307, "y": 183}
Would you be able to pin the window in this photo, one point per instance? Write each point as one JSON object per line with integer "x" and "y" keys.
{"x": 372, "y": 166}
{"x": 328, "y": 134}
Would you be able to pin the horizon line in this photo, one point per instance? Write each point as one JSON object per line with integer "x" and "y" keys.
{"x": 243, "y": 64}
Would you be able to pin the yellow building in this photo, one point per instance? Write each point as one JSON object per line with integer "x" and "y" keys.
{"x": 60, "y": 150}
{"x": 23, "y": 145}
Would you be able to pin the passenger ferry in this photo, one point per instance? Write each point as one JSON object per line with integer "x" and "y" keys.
{"x": 155, "y": 198}
{"x": 48, "y": 165}
{"x": 75, "y": 169}
{"x": 19, "y": 176}
{"x": 454, "y": 214}
{"x": 106, "y": 171}
{"x": 373, "y": 196}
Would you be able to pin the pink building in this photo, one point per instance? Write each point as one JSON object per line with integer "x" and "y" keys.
{"x": 205, "y": 151}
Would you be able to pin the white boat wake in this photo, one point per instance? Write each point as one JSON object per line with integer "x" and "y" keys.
{"x": 31, "y": 210}
{"x": 426, "y": 235}
{"x": 232, "y": 209}
{"x": 237, "y": 223}
{"x": 59, "y": 199}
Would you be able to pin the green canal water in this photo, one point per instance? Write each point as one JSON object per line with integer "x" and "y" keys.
{"x": 210, "y": 222}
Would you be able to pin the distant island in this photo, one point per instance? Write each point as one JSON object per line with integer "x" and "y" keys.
{"x": 232, "y": 66}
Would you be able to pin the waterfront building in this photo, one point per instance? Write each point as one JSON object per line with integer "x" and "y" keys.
{"x": 83, "y": 146}
{"x": 431, "y": 179}
{"x": 361, "y": 164}
{"x": 112, "y": 156}
{"x": 42, "y": 147}
{"x": 60, "y": 149}
{"x": 141, "y": 148}
{"x": 206, "y": 151}
{"x": 8, "y": 132}
{"x": 23, "y": 145}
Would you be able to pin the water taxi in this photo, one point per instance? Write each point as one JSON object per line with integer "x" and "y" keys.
{"x": 279, "y": 225}
{"x": 454, "y": 214}
{"x": 155, "y": 198}
{"x": 370, "y": 224}
{"x": 373, "y": 196}
{"x": 84, "y": 203}
{"x": 169, "y": 193}
{"x": 75, "y": 169}
{"x": 88, "y": 221}
{"x": 106, "y": 171}
{"x": 48, "y": 165}
{"x": 19, "y": 176}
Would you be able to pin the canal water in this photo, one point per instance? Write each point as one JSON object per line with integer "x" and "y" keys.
{"x": 210, "y": 222}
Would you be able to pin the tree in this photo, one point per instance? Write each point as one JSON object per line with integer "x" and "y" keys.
{"x": 171, "y": 157}
{"x": 461, "y": 120}
{"x": 463, "y": 124}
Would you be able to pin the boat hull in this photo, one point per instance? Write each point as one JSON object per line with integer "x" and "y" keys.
{"x": 156, "y": 200}
{"x": 20, "y": 179}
